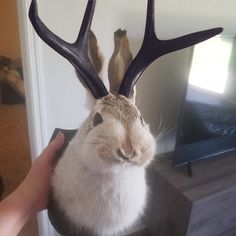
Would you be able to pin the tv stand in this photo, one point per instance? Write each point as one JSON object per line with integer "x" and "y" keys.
{"x": 202, "y": 205}
{"x": 190, "y": 170}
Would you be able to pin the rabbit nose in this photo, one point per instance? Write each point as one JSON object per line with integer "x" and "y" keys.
{"x": 126, "y": 151}
{"x": 121, "y": 153}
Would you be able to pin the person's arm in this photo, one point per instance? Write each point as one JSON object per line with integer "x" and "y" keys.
{"x": 32, "y": 195}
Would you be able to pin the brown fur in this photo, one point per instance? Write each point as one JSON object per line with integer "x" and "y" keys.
{"x": 123, "y": 110}
{"x": 119, "y": 61}
{"x": 94, "y": 53}
{"x": 118, "y": 64}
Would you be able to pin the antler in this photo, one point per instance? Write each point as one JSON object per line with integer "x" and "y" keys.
{"x": 152, "y": 48}
{"x": 76, "y": 53}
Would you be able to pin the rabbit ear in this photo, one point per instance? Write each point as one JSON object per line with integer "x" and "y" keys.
{"x": 94, "y": 52}
{"x": 97, "y": 59}
{"x": 120, "y": 60}
{"x": 94, "y": 55}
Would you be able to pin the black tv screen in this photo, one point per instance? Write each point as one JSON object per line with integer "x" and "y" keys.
{"x": 189, "y": 99}
{"x": 207, "y": 121}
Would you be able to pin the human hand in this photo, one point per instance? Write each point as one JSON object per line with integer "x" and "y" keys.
{"x": 32, "y": 195}
{"x": 36, "y": 186}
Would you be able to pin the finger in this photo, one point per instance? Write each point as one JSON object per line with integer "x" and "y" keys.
{"x": 54, "y": 146}
{"x": 58, "y": 141}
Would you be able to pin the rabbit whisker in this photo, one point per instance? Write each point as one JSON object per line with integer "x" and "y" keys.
{"x": 164, "y": 131}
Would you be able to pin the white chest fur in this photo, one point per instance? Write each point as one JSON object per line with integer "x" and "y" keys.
{"x": 106, "y": 203}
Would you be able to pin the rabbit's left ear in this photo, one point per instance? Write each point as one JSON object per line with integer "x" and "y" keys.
{"x": 119, "y": 62}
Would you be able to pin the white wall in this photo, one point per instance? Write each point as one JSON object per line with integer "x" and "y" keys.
{"x": 55, "y": 97}
{"x": 182, "y": 16}
{"x": 63, "y": 96}
{"x": 161, "y": 91}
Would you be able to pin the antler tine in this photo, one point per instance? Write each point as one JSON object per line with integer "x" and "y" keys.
{"x": 77, "y": 52}
{"x": 152, "y": 48}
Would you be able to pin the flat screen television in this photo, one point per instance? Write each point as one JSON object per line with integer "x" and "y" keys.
{"x": 207, "y": 119}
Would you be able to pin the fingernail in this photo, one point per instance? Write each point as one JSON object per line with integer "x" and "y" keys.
{"x": 59, "y": 136}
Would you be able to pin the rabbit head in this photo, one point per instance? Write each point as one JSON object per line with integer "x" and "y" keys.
{"x": 115, "y": 124}
{"x": 115, "y": 131}
{"x": 115, "y": 134}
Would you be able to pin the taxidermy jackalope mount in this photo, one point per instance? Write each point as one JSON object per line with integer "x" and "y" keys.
{"x": 99, "y": 186}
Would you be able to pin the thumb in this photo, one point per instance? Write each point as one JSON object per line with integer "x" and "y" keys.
{"x": 57, "y": 143}
{"x": 54, "y": 145}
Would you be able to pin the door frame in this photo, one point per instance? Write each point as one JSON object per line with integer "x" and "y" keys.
{"x": 32, "y": 68}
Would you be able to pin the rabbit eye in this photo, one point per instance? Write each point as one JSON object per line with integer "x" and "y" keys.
{"x": 97, "y": 119}
{"x": 142, "y": 120}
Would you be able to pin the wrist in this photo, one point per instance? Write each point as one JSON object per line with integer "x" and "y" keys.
{"x": 15, "y": 211}
{"x": 24, "y": 196}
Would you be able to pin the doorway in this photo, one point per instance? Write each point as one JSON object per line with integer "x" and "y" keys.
{"x": 15, "y": 157}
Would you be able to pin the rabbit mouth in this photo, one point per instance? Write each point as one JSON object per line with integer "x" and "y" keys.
{"x": 116, "y": 157}
{"x": 105, "y": 154}
{"x": 126, "y": 160}
{"x": 113, "y": 158}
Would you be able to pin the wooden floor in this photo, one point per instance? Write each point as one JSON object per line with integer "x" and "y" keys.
{"x": 15, "y": 153}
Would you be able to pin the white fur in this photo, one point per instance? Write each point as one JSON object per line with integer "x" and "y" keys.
{"x": 106, "y": 195}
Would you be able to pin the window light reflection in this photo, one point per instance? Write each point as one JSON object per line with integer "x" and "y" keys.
{"x": 209, "y": 69}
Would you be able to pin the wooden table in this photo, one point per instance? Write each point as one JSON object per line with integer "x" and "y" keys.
{"x": 201, "y": 205}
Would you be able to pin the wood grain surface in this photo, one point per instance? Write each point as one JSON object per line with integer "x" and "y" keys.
{"x": 202, "y": 205}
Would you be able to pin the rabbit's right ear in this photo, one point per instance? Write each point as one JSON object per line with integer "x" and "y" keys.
{"x": 97, "y": 59}
{"x": 94, "y": 52}
{"x": 119, "y": 62}
{"x": 94, "y": 55}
